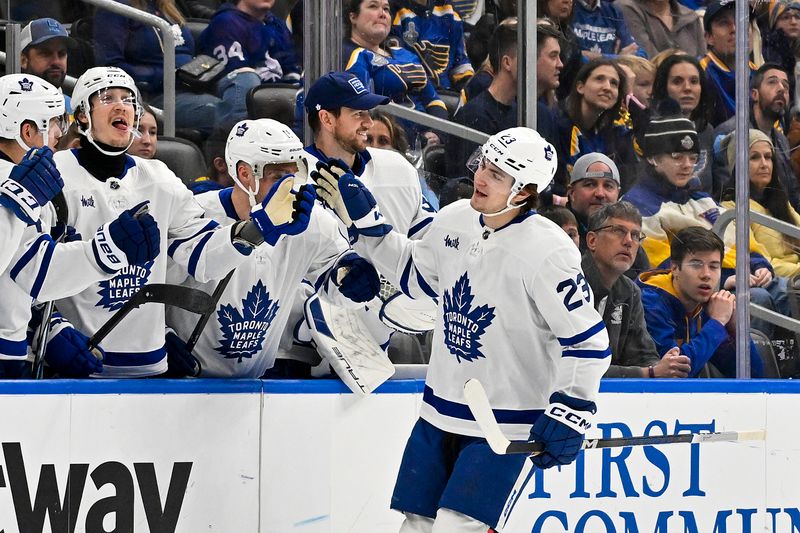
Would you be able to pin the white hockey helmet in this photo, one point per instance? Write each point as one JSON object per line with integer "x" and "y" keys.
{"x": 26, "y": 97}
{"x": 258, "y": 143}
{"x": 95, "y": 80}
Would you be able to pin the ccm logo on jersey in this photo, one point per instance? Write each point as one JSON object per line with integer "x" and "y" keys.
{"x": 575, "y": 419}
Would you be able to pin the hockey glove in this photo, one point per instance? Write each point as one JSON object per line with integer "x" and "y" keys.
{"x": 132, "y": 239}
{"x": 349, "y": 198}
{"x": 180, "y": 361}
{"x": 283, "y": 212}
{"x": 31, "y": 184}
{"x": 64, "y": 233}
{"x": 68, "y": 354}
{"x": 357, "y": 279}
{"x": 561, "y": 429}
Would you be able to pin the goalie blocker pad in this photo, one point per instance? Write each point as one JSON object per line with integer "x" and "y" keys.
{"x": 344, "y": 341}
{"x": 404, "y": 314}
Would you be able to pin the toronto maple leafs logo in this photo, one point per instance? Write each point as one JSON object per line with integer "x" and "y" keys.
{"x": 116, "y": 291}
{"x": 25, "y": 84}
{"x": 243, "y": 332}
{"x": 463, "y": 325}
{"x": 242, "y": 129}
{"x": 548, "y": 152}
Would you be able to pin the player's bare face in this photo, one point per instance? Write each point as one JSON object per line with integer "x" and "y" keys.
{"x": 372, "y": 22}
{"x": 351, "y": 128}
{"x": 588, "y": 195}
{"x": 113, "y": 116}
{"x": 491, "y": 188}
{"x": 697, "y": 277}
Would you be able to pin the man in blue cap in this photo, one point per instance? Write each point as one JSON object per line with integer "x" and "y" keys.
{"x": 338, "y": 106}
{"x": 44, "y": 52}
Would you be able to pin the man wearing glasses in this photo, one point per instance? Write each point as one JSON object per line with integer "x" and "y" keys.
{"x": 613, "y": 241}
{"x": 684, "y": 307}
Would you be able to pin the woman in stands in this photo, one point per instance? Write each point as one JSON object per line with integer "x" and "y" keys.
{"x": 680, "y": 77}
{"x": 389, "y": 70}
{"x": 768, "y": 197}
{"x": 138, "y": 49}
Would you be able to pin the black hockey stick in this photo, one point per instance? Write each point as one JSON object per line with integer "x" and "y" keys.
{"x": 193, "y": 300}
{"x": 478, "y": 403}
{"x": 62, "y": 216}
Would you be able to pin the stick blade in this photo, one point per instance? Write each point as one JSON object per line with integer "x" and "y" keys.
{"x": 478, "y": 403}
{"x": 731, "y": 436}
{"x": 192, "y": 300}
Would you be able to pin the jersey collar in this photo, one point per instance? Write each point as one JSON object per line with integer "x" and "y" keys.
{"x": 227, "y": 203}
{"x": 359, "y": 165}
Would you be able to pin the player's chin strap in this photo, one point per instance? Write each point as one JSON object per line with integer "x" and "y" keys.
{"x": 509, "y": 206}
{"x": 251, "y": 194}
{"x": 25, "y": 147}
{"x": 134, "y": 131}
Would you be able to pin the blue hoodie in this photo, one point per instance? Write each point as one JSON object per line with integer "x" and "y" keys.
{"x": 600, "y": 27}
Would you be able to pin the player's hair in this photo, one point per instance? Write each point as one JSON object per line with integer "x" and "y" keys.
{"x": 559, "y": 214}
{"x": 694, "y": 240}
{"x": 758, "y": 75}
{"x": 573, "y": 103}
{"x": 622, "y": 210}
{"x": 503, "y": 42}
{"x": 313, "y": 117}
{"x": 700, "y": 113}
{"x": 532, "y": 202}
{"x": 167, "y": 7}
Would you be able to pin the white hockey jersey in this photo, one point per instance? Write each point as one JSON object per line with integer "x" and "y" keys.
{"x": 241, "y": 338}
{"x": 395, "y": 184}
{"x": 515, "y": 311}
{"x": 136, "y": 346}
{"x": 11, "y": 227}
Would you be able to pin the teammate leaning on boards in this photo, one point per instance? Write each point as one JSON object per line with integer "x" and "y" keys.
{"x": 105, "y": 181}
{"x": 32, "y": 112}
{"x": 515, "y": 311}
{"x": 241, "y": 339}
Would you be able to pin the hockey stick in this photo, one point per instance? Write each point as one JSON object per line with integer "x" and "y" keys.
{"x": 62, "y": 214}
{"x": 192, "y": 300}
{"x": 478, "y": 403}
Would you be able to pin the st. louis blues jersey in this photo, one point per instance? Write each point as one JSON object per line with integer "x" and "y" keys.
{"x": 395, "y": 184}
{"x": 436, "y": 34}
{"x": 241, "y": 338}
{"x": 515, "y": 311}
{"x": 136, "y": 347}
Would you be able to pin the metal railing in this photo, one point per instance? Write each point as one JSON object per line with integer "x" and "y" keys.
{"x": 169, "y": 52}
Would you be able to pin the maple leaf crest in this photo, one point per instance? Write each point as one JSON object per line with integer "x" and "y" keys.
{"x": 116, "y": 291}
{"x": 243, "y": 332}
{"x": 463, "y": 325}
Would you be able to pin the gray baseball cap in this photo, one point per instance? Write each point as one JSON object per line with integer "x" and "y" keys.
{"x": 579, "y": 169}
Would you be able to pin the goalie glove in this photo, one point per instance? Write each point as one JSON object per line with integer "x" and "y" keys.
{"x": 283, "y": 212}
{"x": 352, "y": 202}
{"x": 561, "y": 429}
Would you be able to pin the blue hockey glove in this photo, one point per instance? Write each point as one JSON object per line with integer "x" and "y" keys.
{"x": 352, "y": 202}
{"x": 561, "y": 429}
{"x": 283, "y": 212}
{"x": 132, "y": 239}
{"x": 357, "y": 279}
{"x": 64, "y": 233}
{"x": 68, "y": 354}
{"x": 180, "y": 361}
{"x": 31, "y": 184}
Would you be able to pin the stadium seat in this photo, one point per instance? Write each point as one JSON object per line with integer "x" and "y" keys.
{"x": 196, "y": 27}
{"x": 273, "y": 100}
{"x": 183, "y": 157}
{"x": 433, "y": 159}
{"x": 451, "y": 100}
{"x": 767, "y": 354}
{"x": 81, "y": 52}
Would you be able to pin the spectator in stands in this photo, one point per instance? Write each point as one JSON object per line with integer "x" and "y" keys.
{"x": 44, "y": 52}
{"x": 138, "y": 49}
{"x": 146, "y": 142}
{"x": 601, "y": 30}
{"x": 434, "y": 31}
{"x": 217, "y": 176}
{"x": 484, "y": 74}
{"x": 639, "y": 75}
{"x": 768, "y": 197}
{"x": 660, "y": 24}
{"x": 256, "y": 47}
{"x": 684, "y": 307}
{"x": 669, "y": 200}
{"x": 560, "y": 12}
{"x": 719, "y": 63}
{"x": 681, "y": 78}
{"x": 781, "y": 42}
{"x": 390, "y": 71}
{"x": 564, "y": 218}
{"x": 613, "y": 242}
{"x": 769, "y": 101}
{"x": 386, "y": 133}
{"x": 589, "y": 114}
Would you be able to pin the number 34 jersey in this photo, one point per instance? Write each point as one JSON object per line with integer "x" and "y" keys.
{"x": 515, "y": 311}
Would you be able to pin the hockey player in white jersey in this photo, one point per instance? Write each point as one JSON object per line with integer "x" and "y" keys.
{"x": 242, "y": 336}
{"x": 103, "y": 181}
{"x": 515, "y": 312}
{"x": 32, "y": 113}
{"x": 338, "y": 107}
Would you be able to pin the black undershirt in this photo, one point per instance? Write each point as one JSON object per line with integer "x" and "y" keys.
{"x": 100, "y": 165}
